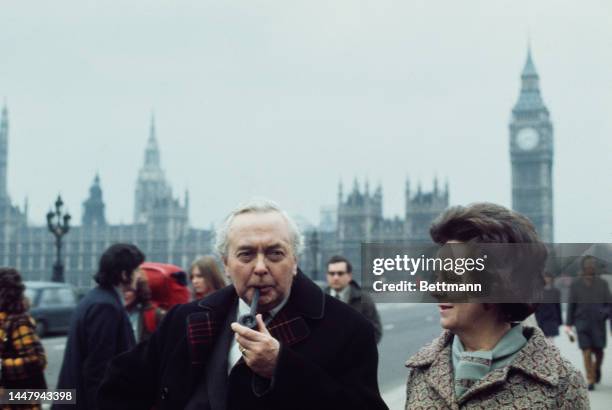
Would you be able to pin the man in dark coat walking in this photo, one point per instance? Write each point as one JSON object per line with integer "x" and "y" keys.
{"x": 589, "y": 318}
{"x": 297, "y": 357}
{"x": 342, "y": 286}
{"x": 99, "y": 328}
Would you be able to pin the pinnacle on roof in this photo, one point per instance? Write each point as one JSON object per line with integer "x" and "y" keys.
{"x": 4, "y": 120}
{"x": 529, "y": 69}
{"x": 530, "y": 98}
{"x": 152, "y": 151}
{"x": 152, "y": 128}
{"x": 378, "y": 189}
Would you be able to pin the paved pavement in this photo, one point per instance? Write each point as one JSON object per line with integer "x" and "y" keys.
{"x": 54, "y": 347}
{"x": 406, "y": 328}
{"x": 601, "y": 397}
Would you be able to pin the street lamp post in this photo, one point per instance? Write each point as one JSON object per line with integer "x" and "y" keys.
{"x": 58, "y": 229}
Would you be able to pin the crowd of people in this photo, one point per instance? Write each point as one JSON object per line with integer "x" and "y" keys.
{"x": 131, "y": 347}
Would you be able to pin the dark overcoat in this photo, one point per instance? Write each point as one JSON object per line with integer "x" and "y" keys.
{"x": 327, "y": 360}
{"x": 589, "y": 318}
{"x": 363, "y": 303}
{"x": 99, "y": 331}
{"x": 548, "y": 315}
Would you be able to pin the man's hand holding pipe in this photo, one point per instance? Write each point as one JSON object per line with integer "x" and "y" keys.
{"x": 260, "y": 348}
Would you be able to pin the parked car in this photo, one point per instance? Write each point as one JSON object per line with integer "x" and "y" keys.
{"x": 51, "y": 305}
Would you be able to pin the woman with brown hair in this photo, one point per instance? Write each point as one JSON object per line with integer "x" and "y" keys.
{"x": 21, "y": 354}
{"x": 205, "y": 277}
{"x": 485, "y": 358}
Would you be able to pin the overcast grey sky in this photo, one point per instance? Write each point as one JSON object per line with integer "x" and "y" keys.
{"x": 283, "y": 98}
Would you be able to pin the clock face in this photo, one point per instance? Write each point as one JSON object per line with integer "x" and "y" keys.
{"x": 527, "y": 139}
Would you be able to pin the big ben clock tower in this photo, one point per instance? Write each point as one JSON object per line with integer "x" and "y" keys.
{"x": 531, "y": 154}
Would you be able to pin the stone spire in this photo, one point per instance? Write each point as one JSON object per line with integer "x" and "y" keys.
{"x": 186, "y": 201}
{"x": 446, "y": 190}
{"x": 3, "y": 152}
{"x": 151, "y": 186}
{"x": 435, "y": 185}
{"x": 93, "y": 207}
{"x": 529, "y": 98}
{"x": 152, "y": 151}
{"x": 355, "y": 185}
{"x": 407, "y": 187}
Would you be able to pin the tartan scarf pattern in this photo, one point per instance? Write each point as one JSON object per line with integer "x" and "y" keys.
{"x": 22, "y": 355}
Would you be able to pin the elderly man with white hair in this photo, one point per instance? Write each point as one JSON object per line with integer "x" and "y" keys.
{"x": 296, "y": 356}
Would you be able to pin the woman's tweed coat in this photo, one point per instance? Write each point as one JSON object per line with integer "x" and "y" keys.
{"x": 537, "y": 378}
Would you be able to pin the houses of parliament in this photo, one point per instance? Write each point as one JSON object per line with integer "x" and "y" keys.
{"x": 161, "y": 226}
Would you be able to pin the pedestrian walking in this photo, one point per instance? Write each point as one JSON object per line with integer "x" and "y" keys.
{"x": 205, "y": 277}
{"x": 589, "y": 319}
{"x": 100, "y": 328}
{"x": 485, "y": 358}
{"x": 22, "y": 357}
{"x": 342, "y": 286}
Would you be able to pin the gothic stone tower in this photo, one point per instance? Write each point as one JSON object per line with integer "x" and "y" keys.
{"x": 531, "y": 154}
{"x": 151, "y": 186}
{"x": 93, "y": 207}
{"x": 359, "y": 219}
{"x": 154, "y": 203}
{"x": 422, "y": 208}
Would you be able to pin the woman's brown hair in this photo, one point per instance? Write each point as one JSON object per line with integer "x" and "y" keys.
{"x": 209, "y": 269}
{"x": 490, "y": 223}
{"x": 11, "y": 291}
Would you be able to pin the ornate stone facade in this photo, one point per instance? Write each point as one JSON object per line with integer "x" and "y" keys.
{"x": 161, "y": 230}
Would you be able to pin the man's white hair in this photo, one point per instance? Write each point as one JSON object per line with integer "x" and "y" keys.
{"x": 257, "y": 205}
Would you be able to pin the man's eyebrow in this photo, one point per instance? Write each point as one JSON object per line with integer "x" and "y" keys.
{"x": 245, "y": 247}
{"x": 269, "y": 247}
{"x": 275, "y": 246}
